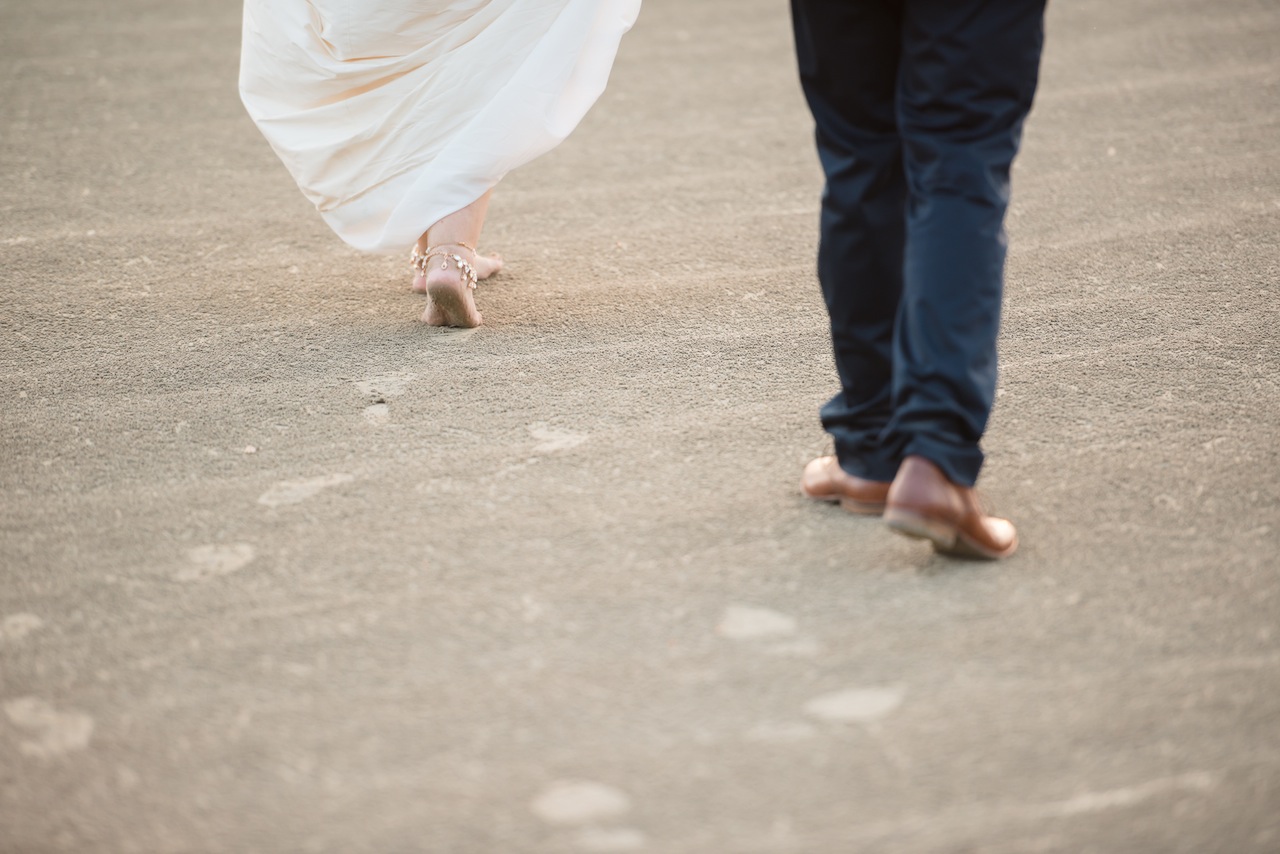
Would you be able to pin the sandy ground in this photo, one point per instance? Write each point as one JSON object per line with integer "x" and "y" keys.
{"x": 283, "y": 570}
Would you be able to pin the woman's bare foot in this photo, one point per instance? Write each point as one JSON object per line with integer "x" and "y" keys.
{"x": 448, "y": 274}
{"x": 447, "y": 266}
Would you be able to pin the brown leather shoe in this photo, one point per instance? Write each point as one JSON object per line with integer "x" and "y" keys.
{"x": 824, "y": 480}
{"x": 924, "y": 504}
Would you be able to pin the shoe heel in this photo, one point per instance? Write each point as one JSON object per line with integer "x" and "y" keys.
{"x": 861, "y": 508}
{"x": 908, "y": 524}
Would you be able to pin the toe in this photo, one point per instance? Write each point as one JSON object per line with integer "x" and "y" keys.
{"x": 488, "y": 265}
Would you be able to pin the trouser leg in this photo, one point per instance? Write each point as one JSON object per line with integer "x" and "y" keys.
{"x": 849, "y": 54}
{"x": 968, "y": 74}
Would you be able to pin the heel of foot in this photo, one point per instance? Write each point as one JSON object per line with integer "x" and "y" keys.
{"x": 450, "y": 305}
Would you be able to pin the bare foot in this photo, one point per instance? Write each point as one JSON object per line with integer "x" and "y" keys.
{"x": 449, "y": 274}
{"x": 449, "y": 281}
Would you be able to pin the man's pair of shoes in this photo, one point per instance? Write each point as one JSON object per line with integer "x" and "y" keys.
{"x": 921, "y": 503}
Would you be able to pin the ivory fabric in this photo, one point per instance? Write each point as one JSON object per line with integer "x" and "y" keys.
{"x": 391, "y": 114}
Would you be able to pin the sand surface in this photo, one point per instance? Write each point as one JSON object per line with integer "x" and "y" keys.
{"x": 283, "y": 570}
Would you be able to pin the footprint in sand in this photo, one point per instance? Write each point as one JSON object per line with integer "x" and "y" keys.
{"x": 211, "y": 561}
{"x": 610, "y": 840}
{"x": 772, "y": 632}
{"x": 452, "y": 334}
{"x": 388, "y": 385}
{"x": 552, "y": 439}
{"x": 295, "y": 491}
{"x": 379, "y": 389}
{"x": 781, "y": 732}
{"x": 744, "y": 622}
{"x": 856, "y": 705}
{"x": 795, "y": 648}
{"x": 377, "y": 414}
{"x": 578, "y": 802}
{"x": 15, "y": 627}
{"x": 53, "y": 733}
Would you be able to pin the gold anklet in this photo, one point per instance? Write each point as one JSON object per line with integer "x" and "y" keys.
{"x": 420, "y": 260}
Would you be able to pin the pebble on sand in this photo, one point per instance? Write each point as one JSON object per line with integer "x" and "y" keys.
{"x": 572, "y": 802}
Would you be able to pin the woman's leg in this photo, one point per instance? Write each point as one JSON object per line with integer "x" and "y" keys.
{"x": 451, "y": 302}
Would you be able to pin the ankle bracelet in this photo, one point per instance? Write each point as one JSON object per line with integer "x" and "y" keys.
{"x": 420, "y": 261}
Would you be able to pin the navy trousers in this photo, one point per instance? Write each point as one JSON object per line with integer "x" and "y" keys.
{"x": 919, "y": 107}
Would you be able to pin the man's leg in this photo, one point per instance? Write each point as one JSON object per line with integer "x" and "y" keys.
{"x": 969, "y": 72}
{"x": 848, "y": 55}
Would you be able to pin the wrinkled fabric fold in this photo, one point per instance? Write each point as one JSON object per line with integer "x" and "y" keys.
{"x": 391, "y": 116}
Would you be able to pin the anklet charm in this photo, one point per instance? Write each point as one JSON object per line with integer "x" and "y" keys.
{"x": 420, "y": 260}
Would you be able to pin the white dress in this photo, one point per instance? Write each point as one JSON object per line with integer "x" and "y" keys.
{"x": 391, "y": 114}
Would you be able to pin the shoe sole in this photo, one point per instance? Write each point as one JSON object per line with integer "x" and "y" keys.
{"x": 861, "y": 508}
{"x": 946, "y": 538}
{"x": 849, "y": 505}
